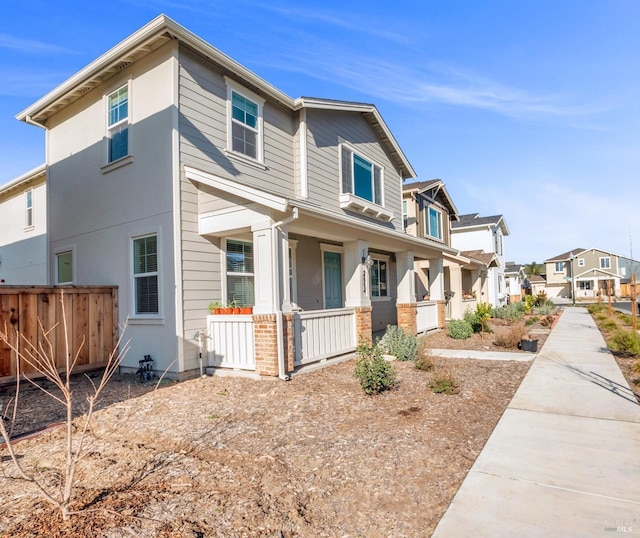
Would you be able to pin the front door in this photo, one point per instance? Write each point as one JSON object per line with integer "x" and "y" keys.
{"x": 332, "y": 279}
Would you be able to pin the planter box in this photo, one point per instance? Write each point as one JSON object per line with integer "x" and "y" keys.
{"x": 529, "y": 345}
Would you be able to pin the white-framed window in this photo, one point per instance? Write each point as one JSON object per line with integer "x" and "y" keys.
{"x": 433, "y": 223}
{"x": 244, "y": 123}
{"x": 559, "y": 267}
{"x": 146, "y": 293}
{"x": 498, "y": 246}
{"x": 580, "y": 262}
{"x": 293, "y": 280}
{"x": 361, "y": 177}
{"x": 240, "y": 277}
{"x": 28, "y": 208}
{"x": 379, "y": 278}
{"x": 118, "y": 124}
{"x": 405, "y": 214}
{"x": 64, "y": 267}
{"x": 605, "y": 262}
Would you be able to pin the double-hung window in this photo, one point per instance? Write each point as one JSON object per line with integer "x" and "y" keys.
{"x": 361, "y": 177}
{"x": 405, "y": 214}
{"x": 244, "y": 122}
{"x": 433, "y": 223}
{"x": 28, "y": 207}
{"x": 559, "y": 267}
{"x": 605, "y": 263}
{"x": 240, "y": 284}
{"x": 64, "y": 267}
{"x": 379, "y": 278}
{"x": 145, "y": 275}
{"x": 118, "y": 124}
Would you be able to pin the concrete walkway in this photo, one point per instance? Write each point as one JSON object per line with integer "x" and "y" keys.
{"x": 564, "y": 459}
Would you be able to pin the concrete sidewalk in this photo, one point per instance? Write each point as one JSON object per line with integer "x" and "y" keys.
{"x": 564, "y": 459}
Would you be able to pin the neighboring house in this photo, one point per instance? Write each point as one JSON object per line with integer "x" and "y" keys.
{"x": 23, "y": 229}
{"x": 515, "y": 280}
{"x": 590, "y": 273}
{"x": 535, "y": 284}
{"x": 428, "y": 211}
{"x": 182, "y": 177}
{"x": 473, "y": 232}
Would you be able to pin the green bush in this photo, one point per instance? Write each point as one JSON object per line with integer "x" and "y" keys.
{"x": 608, "y": 325}
{"x": 531, "y": 321}
{"x": 545, "y": 309}
{"x": 471, "y": 318}
{"x": 373, "y": 372}
{"x": 403, "y": 347}
{"x": 511, "y": 312}
{"x": 443, "y": 381}
{"x": 459, "y": 329}
{"x": 627, "y": 342}
{"x": 596, "y": 308}
{"x": 424, "y": 358}
{"x": 626, "y": 319}
{"x": 541, "y": 299}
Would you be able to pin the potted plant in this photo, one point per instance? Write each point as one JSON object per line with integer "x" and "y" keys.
{"x": 529, "y": 344}
{"x": 215, "y": 307}
{"x": 235, "y": 309}
{"x": 246, "y": 310}
{"x": 227, "y": 310}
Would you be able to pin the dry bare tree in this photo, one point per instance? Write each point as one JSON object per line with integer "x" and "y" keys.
{"x": 41, "y": 358}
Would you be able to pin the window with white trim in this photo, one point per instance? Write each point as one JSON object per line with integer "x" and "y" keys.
{"x": 145, "y": 275}
{"x": 605, "y": 263}
{"x": 244, "y": 122}
{"x": 118, "y": 124}
{"x": 405, "y": 214}
{"x": 559, "y": 267}
{"x": 379, "y": 286}
{"x": 28, "y": 208}
{"x": 64, "y": 267}
{"x": 433, "y": 223}
{"x": 361, "y": 177}
{"x": 580, "y": 262}
{"x": 239, "y": 265}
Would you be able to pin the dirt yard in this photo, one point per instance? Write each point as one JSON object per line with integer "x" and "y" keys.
{"x": 236, "y": 457}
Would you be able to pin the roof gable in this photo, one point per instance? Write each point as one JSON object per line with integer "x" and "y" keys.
{"x": 473, "y": 220}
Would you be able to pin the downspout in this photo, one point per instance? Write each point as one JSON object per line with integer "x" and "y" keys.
{"x": 276, "y": 292}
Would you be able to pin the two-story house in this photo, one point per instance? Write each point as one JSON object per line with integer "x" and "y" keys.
{"x": 182, "y": 177}
{"x": 460, "y": 278}
{"x": 23, "y": 230}
{"x": 515, "y": 277}
{"x": 589, "y": 273}
{"x": 472, "y": 232}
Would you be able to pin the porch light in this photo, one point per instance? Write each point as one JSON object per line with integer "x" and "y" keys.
{"x": 366, "y": 258}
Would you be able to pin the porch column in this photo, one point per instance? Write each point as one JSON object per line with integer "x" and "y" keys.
{"x": 265, "y": 267}
{"x": 436, "y": 279}
{"x": 406, "y": 304}
{"x": 357, "y": 287}
{"x": 455, "y": 277}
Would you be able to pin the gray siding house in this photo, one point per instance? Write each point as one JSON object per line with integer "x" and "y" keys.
{"x": 185, "y": 179}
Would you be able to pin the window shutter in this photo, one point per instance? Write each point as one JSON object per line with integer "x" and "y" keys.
{"x": 347, "y": 171}
{"x": 377, "y": 185}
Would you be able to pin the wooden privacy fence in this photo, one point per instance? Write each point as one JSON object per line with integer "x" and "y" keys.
{"x": 91, "y": 313}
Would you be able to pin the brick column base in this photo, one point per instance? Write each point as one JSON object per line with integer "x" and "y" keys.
{"x": 407, "y": 318}
{"x": 363, "y": 323}
{"x": 265, "y": 331}
{"x": 287, "y": 338}
{"x": 442, "y": 314}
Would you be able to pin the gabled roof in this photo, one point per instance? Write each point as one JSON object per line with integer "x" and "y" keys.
{"x": 565, "y": 256}
{"x": 481, "y": 257}
{"x": 511, "y": 267}
{"x": 163, "y": 29}
{"x": 536, "y": 278}
{"x": 419, "y": 187}
{"x": 25, "y": 178}
{"x": 474, "y": 220}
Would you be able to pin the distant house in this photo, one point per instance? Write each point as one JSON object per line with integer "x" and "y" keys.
{"x": 458, "y": 278}
{"x": 185, "y": 179}
{"x": 536, "y": 284}
{"x": 514, "y": 276}
{"x": 473, "y": 232}
{"x": 23, "y": 229}
{"x": 589, "y": 273}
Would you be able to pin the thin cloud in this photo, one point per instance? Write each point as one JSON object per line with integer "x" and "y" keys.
{"x": 31, "y": 46}
{"x": 28, "y": 84}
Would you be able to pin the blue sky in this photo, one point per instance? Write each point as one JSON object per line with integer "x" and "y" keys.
{"x": 527, "y": 109}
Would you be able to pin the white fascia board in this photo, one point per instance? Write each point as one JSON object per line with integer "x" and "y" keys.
{"x": 597, "y": 271}
{"x": 24, "y": 178}
{"x": 271, "y": 201}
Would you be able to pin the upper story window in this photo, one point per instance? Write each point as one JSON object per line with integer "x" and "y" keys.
{"x": 433, "y": 223}
{"x": 497, "y": 238}
{"x": 605, "y": 263}
{"x": 244, "y": 122}
{"x": 118, "y": 124}
{"x": 240, "y": 283}
{"x": 361, "y": 177}
{"x": 559, "y": 267}
{"x": 28, "y": 208}
{"x": 145, "y": 275}
{"x": 580, "y": 262}
{"x": 405, "y": 214}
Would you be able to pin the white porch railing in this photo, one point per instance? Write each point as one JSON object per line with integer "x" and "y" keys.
{"x": 427, "y": 316}
{"x": 230, "y": 342}
{"x": 320, "y": 334}
{"x": 469, "y": 305}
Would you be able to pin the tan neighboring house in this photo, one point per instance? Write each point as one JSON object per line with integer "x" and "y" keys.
{"x": 458, "y": 278}
{"x": 23, "y": 229}
{"x": 185, "y": 179}
{"x": 589, "y": 273}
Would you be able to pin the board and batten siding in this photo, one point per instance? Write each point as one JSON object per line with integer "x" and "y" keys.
{"x": 326, "y": 130}
{"x": 203, "y": 131}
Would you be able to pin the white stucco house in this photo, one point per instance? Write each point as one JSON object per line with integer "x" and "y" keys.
{"x": 473, "y": 232}
{"x": 183, "y": 178}
{"x": 23, "y": 229}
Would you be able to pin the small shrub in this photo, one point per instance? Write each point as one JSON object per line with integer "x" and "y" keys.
{"x": 531, "y": 321}
{"x": 627, "y": 342}
{"x": 541, "y": 299}
{"x": 471, "y": 318}
{"x": 529, "y": 303}
{"x": 596, "y": 308}
{"x": 626, "y": 319}
{"x": 403, "y": 347}
{"x": 545, "y": 309}
{"x": 424, "y": 359}
{"x": 608, "y": 325}
{"x": 547, "y": 321}
{"x": 372, "y": 371}
{"x": 511, "y": 312}
{"x": 510, "y": 338}
{"x": 459, "y": 329}
{"x": 443, "y": 381}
